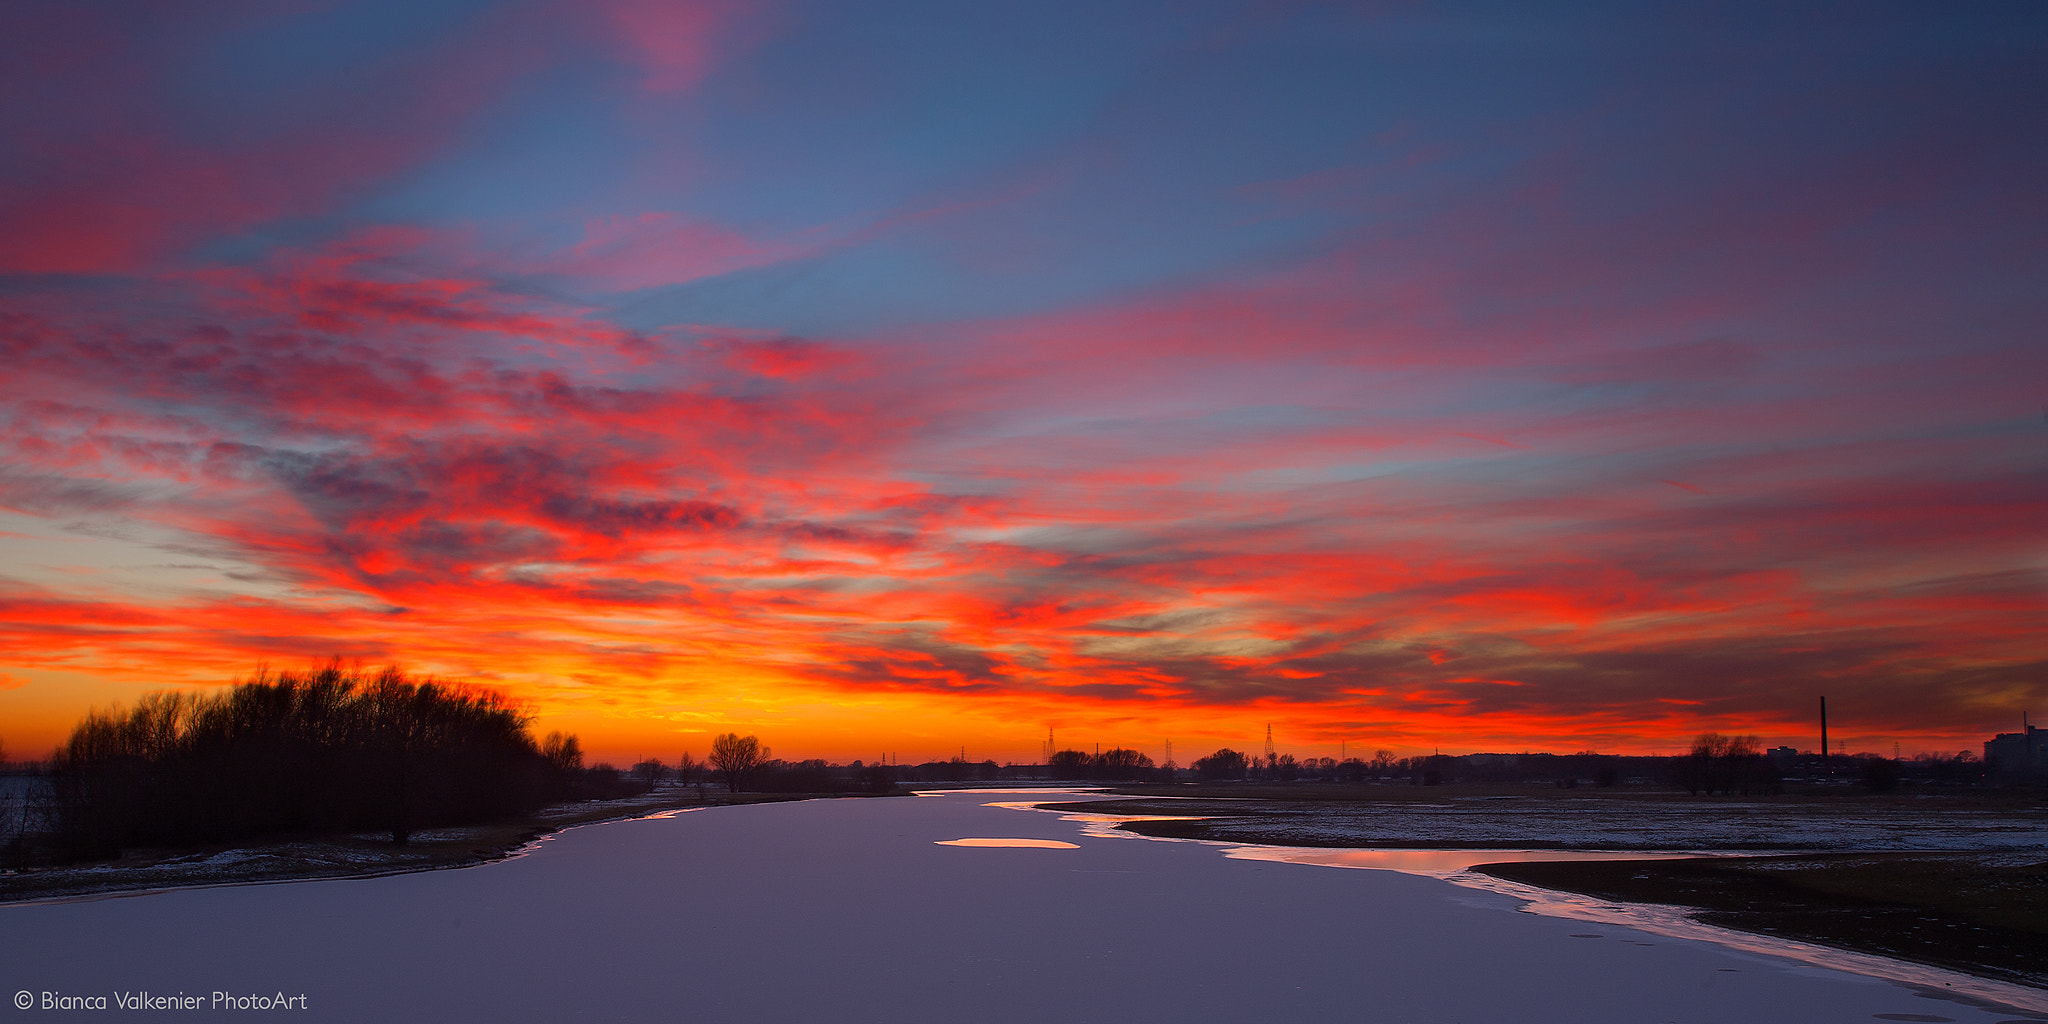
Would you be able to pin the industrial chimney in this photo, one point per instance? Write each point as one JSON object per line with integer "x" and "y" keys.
{"x": 1823, "y": 734}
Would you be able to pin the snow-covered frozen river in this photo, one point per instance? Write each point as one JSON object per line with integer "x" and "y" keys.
{"x": 863, "y": 910}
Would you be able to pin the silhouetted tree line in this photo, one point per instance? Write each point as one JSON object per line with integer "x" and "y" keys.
{"x": 1726, "y": 764}
{"x": 955, "y": 769}
{"x": 327, "y": 750}
{"x": 24, "y": 796}
{"x": 745, "y": 764}
{"x": 1960, "y": 769}
{"x": 1113, "y": 765}
{"x": 818, "y": 776}
{"x": 1227, "y": 765}
{"x": 1715, "y": 765}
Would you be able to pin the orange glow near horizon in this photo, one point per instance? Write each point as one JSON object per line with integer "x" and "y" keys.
{"x": 799, "y": 720}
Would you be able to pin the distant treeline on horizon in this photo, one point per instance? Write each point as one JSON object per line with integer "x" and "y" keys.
{"x": 1715, "y": 764}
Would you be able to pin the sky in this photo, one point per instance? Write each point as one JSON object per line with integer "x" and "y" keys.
{"x": 911, "y": 379}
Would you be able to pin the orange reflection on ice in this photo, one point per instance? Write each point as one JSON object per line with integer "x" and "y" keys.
{"x": 1438, "y": 863}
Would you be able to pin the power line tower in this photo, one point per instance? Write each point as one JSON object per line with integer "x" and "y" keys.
{"x": 1270, "y": 758}
{"x": 1169, "y": 754}
{"x": 1047, "y": 759}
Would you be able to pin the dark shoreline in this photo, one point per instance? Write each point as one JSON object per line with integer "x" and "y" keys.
{"x": 1926, "y": 908}
{"x": 316, "y": 858}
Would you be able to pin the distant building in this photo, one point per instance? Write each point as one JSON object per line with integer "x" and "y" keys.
{"x": 1783, "y": 756}
{"x": 2019, "y": 751}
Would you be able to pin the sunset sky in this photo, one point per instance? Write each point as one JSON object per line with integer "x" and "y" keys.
{"x": 905, "y": 378}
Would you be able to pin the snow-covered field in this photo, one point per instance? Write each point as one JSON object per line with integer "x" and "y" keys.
{"x": 856, "y": 910}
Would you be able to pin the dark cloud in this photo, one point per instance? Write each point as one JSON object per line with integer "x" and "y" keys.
{"x": 54, "y": 496}
{"x": 622, "y": 518}
{"x": 630, "y": 592}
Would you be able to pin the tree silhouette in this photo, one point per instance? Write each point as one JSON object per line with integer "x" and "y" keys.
{"x": 564, "y": 753}
{"x": 690, "y": 772}
{"x": 1223, "y": 764}
{"x": 1068, "y": 764}
{"x": 327, "y": 750}
{"x": 1115, "y": 764}
{"x": 735, "y": 757}
{"x": 1725, "y": 764}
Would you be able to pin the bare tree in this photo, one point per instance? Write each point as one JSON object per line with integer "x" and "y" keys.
{"x": 564, "y": 753}
{"x": 1725, "y": 764}
{"x": 650, "y": 772}
{"x": 1224, "y": 765}
{"x": 734, "y": 756}
{"x": 690, "y": 772}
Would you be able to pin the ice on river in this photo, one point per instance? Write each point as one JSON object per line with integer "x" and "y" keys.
{"x": 870, "y": 910}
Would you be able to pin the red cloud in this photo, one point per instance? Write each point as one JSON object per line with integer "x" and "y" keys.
{"x": 117, "y": 191}
{"x": 675, "y": 44}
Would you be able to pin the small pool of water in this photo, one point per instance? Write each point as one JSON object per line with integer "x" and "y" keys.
{"x": 1023, "y": 844}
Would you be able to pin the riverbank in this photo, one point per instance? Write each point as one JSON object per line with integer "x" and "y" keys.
{"x": 1956, "y": 883}
{"x": 347, "y": 856}
{"x": 1984, "y": 914}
